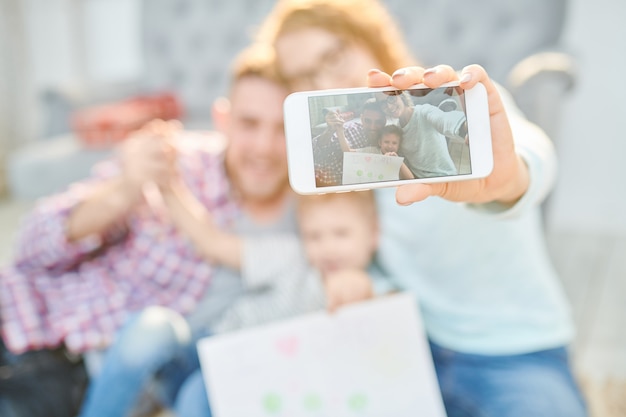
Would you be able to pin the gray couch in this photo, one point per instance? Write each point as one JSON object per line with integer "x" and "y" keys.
{"x": 188, "y": 46}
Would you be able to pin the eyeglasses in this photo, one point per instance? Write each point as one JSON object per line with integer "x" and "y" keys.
{"x": 391, "y": 99}
{"x": 330, "y": 63}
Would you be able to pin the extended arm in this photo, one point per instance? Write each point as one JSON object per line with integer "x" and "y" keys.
{"x": 193, "y": 220}
{"x": 510, "y": 179}
{"x": 336, "y": 127}
{"x": 451, "y": 124}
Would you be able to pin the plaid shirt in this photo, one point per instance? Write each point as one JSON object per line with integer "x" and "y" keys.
{"x": 328, "y": 157}
{"x": 79, "y": 293}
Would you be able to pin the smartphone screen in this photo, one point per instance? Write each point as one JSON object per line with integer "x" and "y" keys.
{"x": 393, "y": 135}
{"x": 364, "y": 138}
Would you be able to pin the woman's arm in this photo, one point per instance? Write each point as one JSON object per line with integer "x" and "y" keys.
{"x": 510, "y": 177}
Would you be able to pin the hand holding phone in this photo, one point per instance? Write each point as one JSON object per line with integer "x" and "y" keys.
{"x": 416, "y": 135}
{"x": 510, "y": 177}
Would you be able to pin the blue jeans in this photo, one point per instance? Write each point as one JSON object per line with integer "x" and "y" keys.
{"x": 156, "y": 343}
{"x": 538, "y": 384}
{"x": 192, "y": 400}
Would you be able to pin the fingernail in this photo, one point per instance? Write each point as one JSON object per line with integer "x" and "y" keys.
{"x": 466, "y": 77}
{"x": 430, "y": 71}
{"x": 399, "y": 73}
{"x": 374, "y": 71}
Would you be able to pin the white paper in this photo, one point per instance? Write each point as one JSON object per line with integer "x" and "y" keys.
{"x": 368, "y": 359}
{"x": 360, "y": 167}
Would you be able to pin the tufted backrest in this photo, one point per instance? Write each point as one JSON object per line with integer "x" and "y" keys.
{"x": 190, "y": 44}
{"x": 494, "y": 33}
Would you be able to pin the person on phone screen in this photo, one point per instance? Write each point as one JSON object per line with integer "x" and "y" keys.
{"x": 390, "y": 141}
{"x": 362, "y": 133}
{"x": 494, "y": 310}
{"x": 391, "y": 137}
{"x": 425, "y": 127}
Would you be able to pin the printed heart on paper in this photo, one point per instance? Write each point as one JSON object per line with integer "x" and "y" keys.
{"x": 287, "y": 346}
{"x": 368, "y": 159}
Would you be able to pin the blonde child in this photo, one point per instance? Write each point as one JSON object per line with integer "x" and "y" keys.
{"x": 339, "y": 235}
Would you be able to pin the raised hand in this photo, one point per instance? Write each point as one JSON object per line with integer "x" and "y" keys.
{"x": 334, "y": 121}
{"x": 509, "y": 179}
{"x": 149, "y": 156}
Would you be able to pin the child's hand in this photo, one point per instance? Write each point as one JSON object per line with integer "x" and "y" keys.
{"x": 347, "y": 286}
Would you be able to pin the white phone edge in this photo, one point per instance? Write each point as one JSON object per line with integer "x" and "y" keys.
{"x": 300, "y": 152}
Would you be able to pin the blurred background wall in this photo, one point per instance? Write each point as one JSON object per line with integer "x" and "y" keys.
{"x": 591, "y": 193}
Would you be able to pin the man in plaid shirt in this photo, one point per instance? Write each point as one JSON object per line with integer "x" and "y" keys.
{"x": 136, "y": 234}
{"x": 362, "y": 133}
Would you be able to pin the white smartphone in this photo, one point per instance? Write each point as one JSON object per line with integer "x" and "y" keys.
{"x": 364, "y": 138}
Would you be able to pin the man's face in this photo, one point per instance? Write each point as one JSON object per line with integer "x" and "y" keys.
{"x": 256, "y": 158}
{"x": 392, "y": 105}
{"x": 373, "y": 122}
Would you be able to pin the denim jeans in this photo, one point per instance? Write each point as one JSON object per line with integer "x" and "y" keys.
{"x": 156, "y": 344}
{"x": 538, "y": 384}
{"x": 192, "y": 400}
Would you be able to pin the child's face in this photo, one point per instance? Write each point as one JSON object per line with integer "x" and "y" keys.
{"x": 337, "y": 234}
{"x": 389, "y": 142}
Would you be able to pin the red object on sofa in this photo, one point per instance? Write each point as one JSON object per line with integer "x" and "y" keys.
{"x": 107, "y": 124}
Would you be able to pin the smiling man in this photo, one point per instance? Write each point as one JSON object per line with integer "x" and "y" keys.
{"x": 135, "y": 234}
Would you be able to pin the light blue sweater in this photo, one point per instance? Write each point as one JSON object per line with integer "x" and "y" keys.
{"x": 424, "y": 146}
{"x": 482, "y": 274}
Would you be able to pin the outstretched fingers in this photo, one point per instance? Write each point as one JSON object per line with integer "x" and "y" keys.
{"x": 405, "y": 77}
{"x": 402, "y": 78}
{"x": 436, "y": 76}
{"x": 378, "y": 78}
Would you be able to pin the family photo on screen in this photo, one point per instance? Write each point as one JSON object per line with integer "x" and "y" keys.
{"x": 390, "y": 135}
